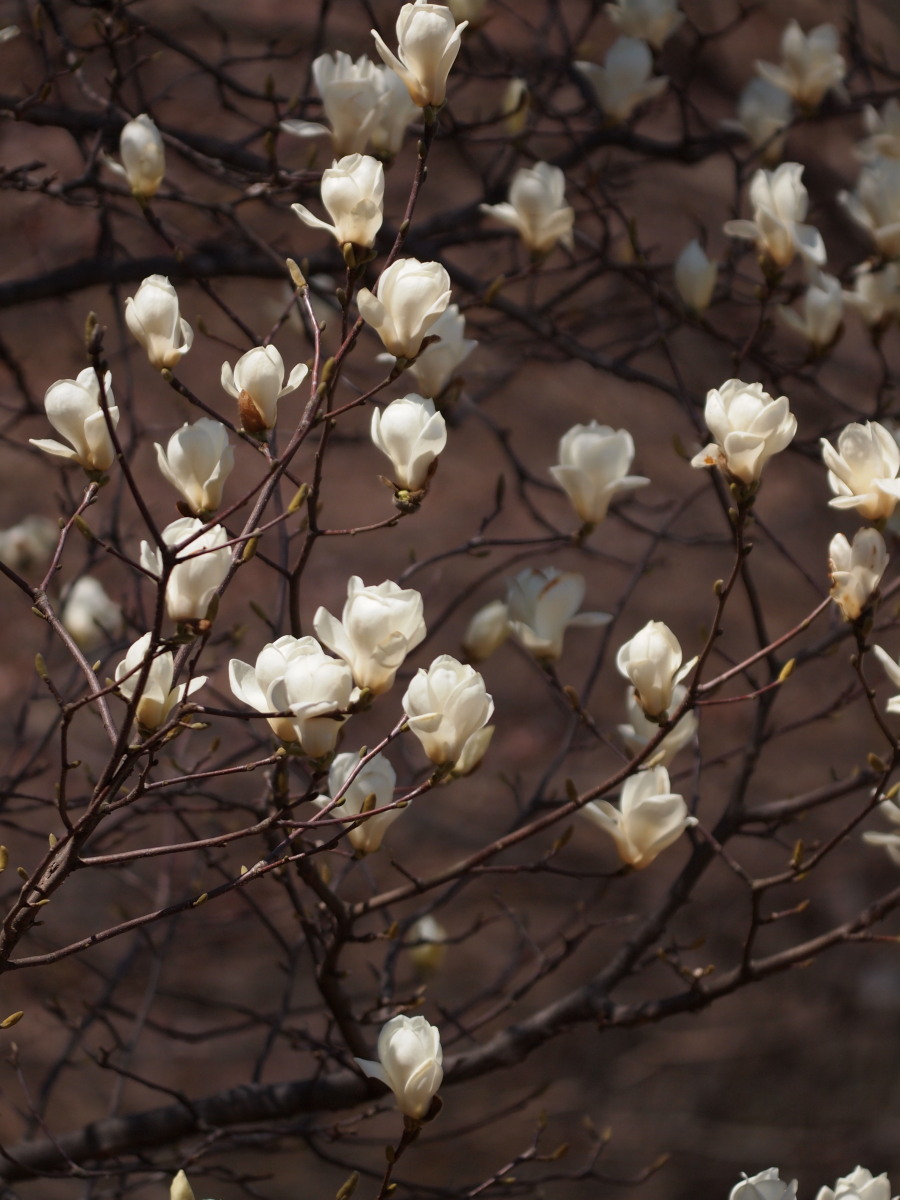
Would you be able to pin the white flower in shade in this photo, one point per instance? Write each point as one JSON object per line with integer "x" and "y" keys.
{"x": 875, "y": 205}
{"x": 641, "y": 730}
{"x": 143, "y": 156}
{"x": 257, "y": 383}
{"x": 537, "y": 208}
{"x": 445, "y": 705}
{"x": 695, "y": 276}
{"x": 395, "y": 112}
{"x": 876, "y": 293}
{"x": 255, "y": 685}
{"x": 200, "y": 568}
{"x": 89, "y": 614}
{"x": 780, "y": 202}
{"x": 197, "y": 461}
{"x": 884, "y": 132}
{"x": 316, "y": 689}
{"x": 154, "y": 318}
{"x": 652, "y": 20}
{"x": 29, "y": 544}
{"x": 73, "y": 409}
{"x": 810, "y": 64}
{"x": 767, "y": 1185}
{"x": 435, "y": 367}
{"x": 409, "y": 1057}
{"x": 652, "y": 661}
{"x": 860, "y": 1184}
{"x": 379, "y": 627}
{"x": 820, "y": 318}
{"x": 158, "y": 697}
{"x": 428, "y": 41}
{"x": 862, "y": 471}
{"x": 350, "y": 98}
{"x": 411, "y": 297}
{"x": 891, "y": 843}
{"x": 372, "y": 787}
{"x": 412, "y": 434}
{"x": 487, "y": 631}
{"x": 625, "y": 79}
{"x": 764, "y": 113}
{"x": 650, "y": 817}
{"x": 542, "y": 604}
{"x": 856, "y": 570}
{"x": 749, "y": 427}
{"x": 353, "y": 193}
{"x": 594, "y": 461}
{"x": 427, "y": 944}
{"x": 892, "y": 670}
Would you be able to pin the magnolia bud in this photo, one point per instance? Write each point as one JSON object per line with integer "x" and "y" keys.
{"x": 428, "y": 40}
{"x": 153, "y": 317}
{"x": 409, "y": 1061}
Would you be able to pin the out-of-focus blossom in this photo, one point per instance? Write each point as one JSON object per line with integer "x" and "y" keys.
{"x": 875, "y": 205}
{"x": 29, "y": 544}
{"x": 373, "y": 787}
{"x": 197, "y": 461}
{"x": 810, "y": 64}
{"x": 257, "y": 383}
{"x": 890, "y": 842}
{"x": 626, "y": 78}
{"x": 695, "y": 276}
{"x": 353, "y": 194}
{"x": 876, "y": 293}
{"x": 90, "y": 615}
{"x": 427, "y": 946}
{"x": 350, "y": 95}
{"x": 180, "y": 1189}
{"x": 767, "y": 1185}
{"x": 412, "y": 434}
{"x": 884, "y": 132}
{"x": 862, "y": 471}
{"x": 470, "y": 11}
{"x": 200, "y": 568}
{"x": 537, "y": 208}
{"x": 650, "y": 817}
{"x": 820, "y": 318}
{"x": 856, "y": 570}
{"x": 487, "y": 631}
{"x": 143, "y": 156}
{"x": 763, "y": 115}
{"x": 317, "y": 690}
{"x": 652, "y": 20}
{"x": 514, "y": 106}
{"x": 153, "y": 316}
{"x": 594, "y": 461}
{"x": 409, "y": 1063}
{"x": 74, "y": 410}
{"x": 651, "y": 660}
{"x": 8, "y": 32}
{"x": 435, "y": 367}
{"x": 428, "y": 41}
{"x": 641, "y": 730}
{"x": 542, "y": 604}
{"x": 395, "y": 112}
{"x": 749, "y": 427}
{"x": 780, "y": 202}
{"x": 158, "y": 698}
{"x": 411, "y": 297}
{"x": 860, "y": 1184}
{"x": 255, "y": 685}
{"x": 445, "y": 705}
{"x": 381, "y": 624}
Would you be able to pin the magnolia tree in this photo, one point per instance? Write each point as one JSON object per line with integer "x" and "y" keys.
{"x": 400, "y": 731}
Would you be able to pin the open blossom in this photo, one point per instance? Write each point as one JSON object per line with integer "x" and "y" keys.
{"x": 767, "y": 1185}
{"x": 158, "y": 697}
{"x": 487, "y": 630}
{"x": 197, "y": 461}
{"x": 537, "y": 208}
{"x": 749, "y": 427}
{"x": 435, "y": 367}
{"x": 143, "y": 156}
{"x": 411, "y": 297}
{"x": 810, "y": 64}
{"x": 255, "y": 685}
{"x": 822, "y": 310}
{"x": 780, "y": 202}
{"x": 652, "y": 661}
{"x": 641, "y": 730}
{"x": 90, "y": 615}
{"x": 652, "y": 20}
{"x": 317, "y": 690}
{"x": 74, "y": 410}
{"x": 257, "y": 383}
{"x": 875, "y": 205}
{"x": 763, "y": 114}
{"x": 409, "y": 1062}
{"x": 542, "y": 604}
{"x": 860, "y": 1184}
{"x": 883, "y": 129}
{"x": 862, "y": 471}
{"x": 200, "y": 568}
{"x": 876, "y": 293}
{"x": 446, "y": 705}
{"x": 380, "y": 625}
{"x": 372, "y": 787}
{"x": 856, "y": 570}
{"x": 412, "y": 434}
{"x": 594, "y": 461}
{"x": 353, "y": 194}
{"x": 350, "y": 96}
{"x": 695, "y": 276}
{"x": 29, "y": 544}
{"x": 625, "y": 79}
{"x": 153, "y": 316}
{"x": 428, "y": 41}
{"x": 649, "y": 818}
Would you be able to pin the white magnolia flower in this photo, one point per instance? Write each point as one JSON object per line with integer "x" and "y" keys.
{"x": 594, "y": 461}
{"x": 445, "y": 705}
{"x": 197, "y": 461}
{"x": 73, "y": 409}
{"x": 428, "y": 41}
{"x": 317, "y": 690}
{"x": 255, "y": 685}
{"x": 435, "y": 367}
{"x": 764, "y": 113}
{"x": 695, "y": 276}
{"x": 487, "y": 631}
{"x": 143, "y": 156}
{"x": 625, "y": 79}
{"x": 765, "y": 1186}
{"x": 372, "y": 787}
{"x": 641, "y": 730}
{"x": 652, "y": 661}
{"x": 350, "y": 94}
{"x": 891, "y": 843}
{"x": 884, "y": 132}
{"x": 380, "y": 625}
{"x": 876, "y": 293}
{"x": 180, "y": 1189}
{"x": 892, "y": 670}
{"x": 862, "y": 471}
{"x": 650, "y": 817}
{"x": 427, "y": 944}
{"x": 860, "y": 1184}
{"x": 158, "y": 697}
{"x": 90, "y": 615}
{"x": 394, "y": 113}
{"x": 856, "y": 570}
{"x": 411, "y": 297}
{"x": 409, "y": 1062}
{"x": 749, "y": 427}
{"x": 810, "y": 64}
{"x": 822, "y": 312}
{"x": 29, "y": 544}
{"x": 353, "y": 194}
{"x": 652, "y": 20}
{"x": 537, "y": 208}
{"x": 153, "y": 316}
{"x": 875, "y": 205}
{"x": 257, "y": 383}
{"x": 472, "y": 752}
{"x": 200, "y": 568}
{"x": 780, "y": 202}
{"x": 542, "y": 605}
{"x": 412, "y": 434}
